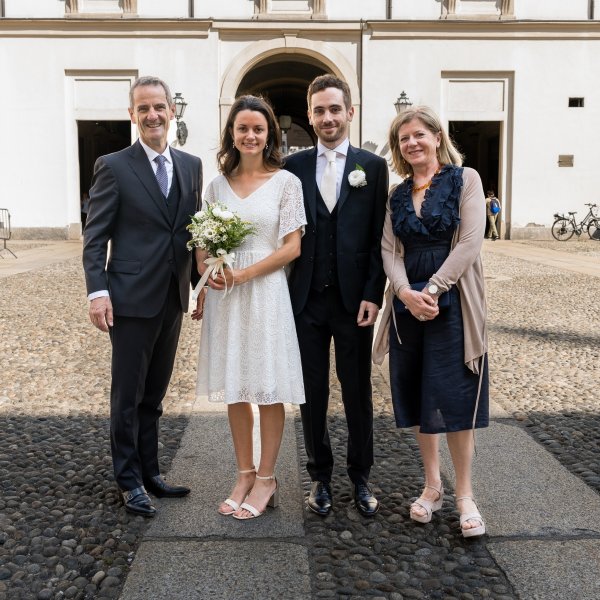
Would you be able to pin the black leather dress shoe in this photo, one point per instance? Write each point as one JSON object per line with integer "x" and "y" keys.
{"x": 138, "y": 502}
{"x": 161, "y": 489}
{"x": 364, "y": 500}
{"x": 319, "y": 499}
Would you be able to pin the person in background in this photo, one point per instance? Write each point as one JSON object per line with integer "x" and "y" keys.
{"x": 492, "y": 209}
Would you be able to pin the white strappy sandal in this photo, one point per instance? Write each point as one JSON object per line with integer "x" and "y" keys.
{"x": 232, "y": 503}
{"x": 472, "y": 516}
{"x": 254, "y": 512}
{"x": 428, "y": 505}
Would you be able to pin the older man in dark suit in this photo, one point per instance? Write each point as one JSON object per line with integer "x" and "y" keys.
{"x": 141, "y": 201}
{"x": 336, "y": 287}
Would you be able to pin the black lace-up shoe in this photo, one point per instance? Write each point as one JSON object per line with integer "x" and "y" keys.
{"x": 364, "y": 500}
{"x": 161, "y": 489}
{"x": 319, "y": 500}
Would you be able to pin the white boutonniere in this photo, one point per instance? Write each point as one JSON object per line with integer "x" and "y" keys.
{"x": 358, "y": 177}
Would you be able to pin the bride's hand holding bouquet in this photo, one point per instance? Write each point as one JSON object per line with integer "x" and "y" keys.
{"x": 218, "y": 231}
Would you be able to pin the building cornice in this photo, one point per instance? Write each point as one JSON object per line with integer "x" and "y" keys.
{"x": 278, "y": 25}
{"x": 105, "y": 27}
{"x": 483, "y": 29}
{"x": 132, "y": 27}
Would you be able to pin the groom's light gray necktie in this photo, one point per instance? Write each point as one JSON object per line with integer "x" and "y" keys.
{"x": 329, "y": 180}
{"x": 161, "y": 175}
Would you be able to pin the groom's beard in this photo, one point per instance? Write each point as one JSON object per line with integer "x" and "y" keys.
{"x": 337, "y": 132}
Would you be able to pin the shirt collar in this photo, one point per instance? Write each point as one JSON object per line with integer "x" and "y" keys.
{"x": 152, "y": 154}
{"x": 341, "y": 149}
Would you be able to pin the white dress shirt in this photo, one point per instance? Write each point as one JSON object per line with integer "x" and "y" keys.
{"x": 151, "y": 154}
{"x": 340, "y": 161}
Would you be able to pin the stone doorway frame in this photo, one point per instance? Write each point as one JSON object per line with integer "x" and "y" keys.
{"x": 505, "y": 115}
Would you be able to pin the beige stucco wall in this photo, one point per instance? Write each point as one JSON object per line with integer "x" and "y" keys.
{"x": 543, "y": 65}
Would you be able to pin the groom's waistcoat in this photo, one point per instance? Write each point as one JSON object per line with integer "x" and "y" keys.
{"x": 325, "y": 270}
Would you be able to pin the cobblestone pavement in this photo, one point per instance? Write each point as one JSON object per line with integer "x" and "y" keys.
{"x": 64, "y": 535}
{"x": 545, "y": 357}
{"x": 544, "y": 365}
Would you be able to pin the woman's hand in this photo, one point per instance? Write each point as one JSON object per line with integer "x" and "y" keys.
{"x": 232, "y": 277}
{"x": 421, "y": 305}
{"x": 198, "y": 312}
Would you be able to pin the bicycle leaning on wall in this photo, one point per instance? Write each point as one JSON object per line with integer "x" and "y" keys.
{"x": 564, "y": 227}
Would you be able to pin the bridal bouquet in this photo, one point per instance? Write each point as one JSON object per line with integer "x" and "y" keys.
{"x": 218, "y": 231}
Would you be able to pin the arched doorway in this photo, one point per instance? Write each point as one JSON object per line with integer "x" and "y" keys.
{"x": 284, "y": 80}
{"x": 265, "y": 66}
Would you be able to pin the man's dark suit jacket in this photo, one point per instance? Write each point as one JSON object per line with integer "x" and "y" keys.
{"x": 361, "y": 212}
{"x": 128, "y": 209}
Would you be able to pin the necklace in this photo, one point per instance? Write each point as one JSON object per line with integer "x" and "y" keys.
{"x": 427, "y": 185}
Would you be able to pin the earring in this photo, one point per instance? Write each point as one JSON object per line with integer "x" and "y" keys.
{"x": 266, "y": 147}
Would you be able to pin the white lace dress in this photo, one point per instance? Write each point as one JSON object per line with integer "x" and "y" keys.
{"x": 248, "y": 347}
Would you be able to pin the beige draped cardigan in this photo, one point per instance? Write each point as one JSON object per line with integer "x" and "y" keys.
{"x": 462, "y": 268}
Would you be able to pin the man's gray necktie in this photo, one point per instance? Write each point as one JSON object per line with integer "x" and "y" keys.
{"x": 329, "y": 180}
{"x": 161, "y": 175}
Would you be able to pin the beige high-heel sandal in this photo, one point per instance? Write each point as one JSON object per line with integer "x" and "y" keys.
{"x": 472, "y": 516}
{"x": 430, "y": 506}
{"x": 232, "y": 503}
{"x": 254, "y": 512}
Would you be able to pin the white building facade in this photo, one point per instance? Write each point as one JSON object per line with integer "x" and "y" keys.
{"x": 517, "y": 82}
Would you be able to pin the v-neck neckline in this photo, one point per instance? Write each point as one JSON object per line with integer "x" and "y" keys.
{"x": 262, "y": 185}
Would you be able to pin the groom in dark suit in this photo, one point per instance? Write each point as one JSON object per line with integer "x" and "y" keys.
{"x": 336, "y": 287}
{"x": 141, "y": 201}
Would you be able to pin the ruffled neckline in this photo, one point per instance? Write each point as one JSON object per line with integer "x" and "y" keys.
{"x": 440, "y": 207}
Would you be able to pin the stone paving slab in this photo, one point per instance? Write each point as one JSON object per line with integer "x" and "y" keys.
{"x": 206, "y": 463}
{"x": 577, "y": 263}
{"x": 36, "y": 258}
{"x": 551, "y": 570}
{"x": 522, "y": 490}
{"x": 190, "y": 570}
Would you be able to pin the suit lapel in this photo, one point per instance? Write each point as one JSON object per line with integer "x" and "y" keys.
{"x": 140, "y": 165}
{"x": 309, "y": 183}
{"x": 349, "y": 167}
{"x": 180, "y": 171}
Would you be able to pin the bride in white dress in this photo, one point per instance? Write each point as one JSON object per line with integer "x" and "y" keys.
{"x": 248, "y": 349}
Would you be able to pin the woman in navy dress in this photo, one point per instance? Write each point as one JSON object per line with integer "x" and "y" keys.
{"x": 438, "y": 345}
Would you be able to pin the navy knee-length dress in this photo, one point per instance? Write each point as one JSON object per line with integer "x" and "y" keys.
{"x": 431, "y": 385}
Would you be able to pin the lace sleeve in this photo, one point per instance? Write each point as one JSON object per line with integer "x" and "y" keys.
{"x": 209, "y": 195}
{"x": 291, "y": 209}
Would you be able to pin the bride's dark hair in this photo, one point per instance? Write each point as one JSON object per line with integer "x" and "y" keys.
{"x": 228, "y": 156}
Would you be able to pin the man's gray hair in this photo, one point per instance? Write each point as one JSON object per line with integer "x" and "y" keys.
{"x": 150, "y": 80}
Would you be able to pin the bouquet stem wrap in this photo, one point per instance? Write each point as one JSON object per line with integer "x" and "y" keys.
{"x": 216, "y": 266}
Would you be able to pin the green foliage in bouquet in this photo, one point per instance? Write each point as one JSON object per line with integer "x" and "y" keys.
{"x": 217, "y": 228}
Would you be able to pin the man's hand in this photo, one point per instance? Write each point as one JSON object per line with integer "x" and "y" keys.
{"x": 101, "y": 313}
{"x": 367, "y": 314}
{"x": 198, "y": 312}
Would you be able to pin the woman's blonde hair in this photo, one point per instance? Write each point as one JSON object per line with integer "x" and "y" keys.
{"x": 447, "y": 154}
